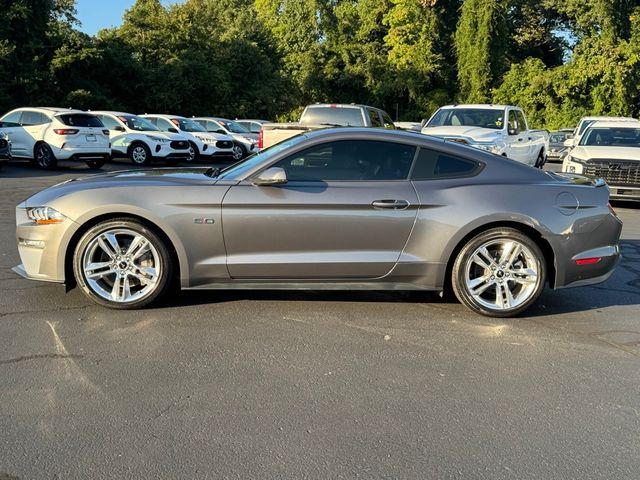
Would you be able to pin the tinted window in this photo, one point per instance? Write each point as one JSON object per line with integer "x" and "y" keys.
{"x": 522, "y": 123}
{"x": 513, "y": 123}
{"x": 165, "y": 124}
{"x": 187, "y": 125}
{"x": 12, "y": 120}
{"x": 387, "y": 122}
{"x": 138, "y": 124}
{"x": 375, "y": 118}
{"x": 80, "y": 120}
{"x": 350, "y": 160}
{"x": 557, "y": 137}
{"x": 233, "y": 127}
{"x": 431, "y": 164}
{"x": 109, "y": 122}
{"x": 340, "y": 116}
{"x": 255, "y": 127}
{"x": 33, "y": 118}
{"x": 612, "y": 137}
{"x": 471, "y": 117}
{"x": 584, "y": 125}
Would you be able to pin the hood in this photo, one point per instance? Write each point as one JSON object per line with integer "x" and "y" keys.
{"x": 125, "y": 178}
{"x": 216, "y": 137}
{"x": 170, "y": 135}
{"x": 253, "y": 137}
{"x": 584, "y": 152}
{"x": 475, "y": 134}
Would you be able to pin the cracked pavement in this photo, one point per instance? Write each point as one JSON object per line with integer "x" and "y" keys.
{"x": 316, "y": 384}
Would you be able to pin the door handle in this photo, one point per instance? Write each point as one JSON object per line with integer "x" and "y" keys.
{"x": 391, "y": 204}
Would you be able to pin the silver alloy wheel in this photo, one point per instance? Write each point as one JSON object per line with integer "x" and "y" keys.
{"x": 139, "y": 155}
{"x": 502, "y": 274}
{"x": 192, "y": 153}
{"x": 238, "y": 153}
{"x": 121, "y": 265}
{"x": 43, "y": 156}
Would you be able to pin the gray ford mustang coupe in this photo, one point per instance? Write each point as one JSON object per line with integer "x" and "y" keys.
{"x": 348, "y": 209}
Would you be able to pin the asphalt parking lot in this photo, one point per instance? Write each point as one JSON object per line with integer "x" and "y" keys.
{"x": 315, "y": 385}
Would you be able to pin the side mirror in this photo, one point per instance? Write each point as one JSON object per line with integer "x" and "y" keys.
{"x": 271, "y": 176}
{"x": 568, "y": 142}
{"x": 221, "y": 131}
{"x": 172, "y": 130}
{"x": 119, "y": 128}
{"x": 512, "y": 131}
{"x": 423, "y": 123}
{"x": 570, "y": 136}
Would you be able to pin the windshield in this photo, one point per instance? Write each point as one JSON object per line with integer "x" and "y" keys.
{"x": 611, "y": 137}
{"x": 557, "y": 137}
{"x": 340, "y": 116}
{"x": 468, "y": 117}
{"x": 187, "y": 125}
{"x": 233, "y": 127}
{"x": 238, "y": 169}
{"x": 138, "y": 124}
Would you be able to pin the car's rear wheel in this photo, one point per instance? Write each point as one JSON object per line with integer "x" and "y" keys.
{"x": 540, "y": 161}
{"x": 44, "y": 157}
{"x": 96, "y": 164}
{"x": 499, "y": 273}
{"x": 122, "y": 264}
{"x": 139, "y": 154}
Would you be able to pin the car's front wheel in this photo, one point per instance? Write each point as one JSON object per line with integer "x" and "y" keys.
{"x": 499, "y": 273}
{"x": 239, "y": 152}
{"x": 139, "y": 154}
{"x": 193, "y": 152}
{"x": 122, "y": 264}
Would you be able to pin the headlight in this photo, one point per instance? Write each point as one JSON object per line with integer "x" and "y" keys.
{"x": 496, "y": 148}
{"x": 158, "y": 139}
{"x": 572, "y": 165}
{"x": 45, "y": 215}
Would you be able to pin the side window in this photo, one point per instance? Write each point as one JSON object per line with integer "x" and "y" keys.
{"x": 109, "y": 122}
{"x": 350, "y": 160}
{"x": 375, "y": 119}
{"x": 522, "y": 123}
{"x": 255, "y": 127}
{"x": 431, "y": 164}
{"x": 387, "y": 122}
{"x": 29, "y": 118}
{"x": 214, "y": 127}
{"x": 165, "y": 125}
{"x": 12, "y": 120}
{"x": 513, "y": 123}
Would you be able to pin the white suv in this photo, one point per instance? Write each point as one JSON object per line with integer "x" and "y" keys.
{"x": 139, "y": 140}
{"x": 46, "y": 135}
{"x": 246, "y": 142}
{"x": 202, "y": 144}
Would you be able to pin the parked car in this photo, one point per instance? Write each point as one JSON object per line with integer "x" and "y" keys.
{"x": 254, "y": 126}
{"x": 336, "y": 209}
{"x": 574, "y": 139}
{"x": 556, "y": 150}
{"x": 202, "y": 144}
{"x": 140, "y": 141}
{"x": 319, "y": 116}
{"x": 499, "y": 129}
{"x": 246, "y": 142}
{"x": 611, "y": 151}
{"x": 47, "y": 135}
{"x": 414, "y": 126}
{"x": 5, "y": 148}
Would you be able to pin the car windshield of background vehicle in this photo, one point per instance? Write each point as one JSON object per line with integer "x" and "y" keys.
{"x": 611, "y": 137}
{"x": 340, "y": 116}
{"x": 80, "y": 120}
{"x": 233, "y": 127}
{"x": 187, "y": 125}
{"x": 468, "y": 117}
{"x": 238, "y": 169}
{"x": 138, "y": 124}
{"x": 558, "y": 138}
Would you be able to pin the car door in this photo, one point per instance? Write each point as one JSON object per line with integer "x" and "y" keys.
{"x": 11, "y": 125}
{"x": 346, "y": 212}
{"x": 517, "y": 147}
{"x": 529, "y": 139}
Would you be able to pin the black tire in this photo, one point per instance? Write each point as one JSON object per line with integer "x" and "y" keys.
{"x": 194, "y": 153}
{"x": 96, "y": 164}
{"x": 506, "y": 279}
{"x": 540, "y": 161}
{"x": 239, "y": 152}
{"x": 86, "y": 248}
{"x": 43, "y": 157}
{"x": 139, "y": 154}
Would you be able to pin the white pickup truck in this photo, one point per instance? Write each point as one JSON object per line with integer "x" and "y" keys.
{"x": 319, "y": 116}
{"x": 499, "y": 129}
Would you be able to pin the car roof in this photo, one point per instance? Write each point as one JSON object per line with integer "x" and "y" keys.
{"x": 605, "y": 118}
{"x": 53, "y": 110}
{"x": 615, "y": 124}
{"x": 162, "y": 115}
{"x": 479, "y": 105}
{"x": 339, "y": 105}
{"x": 251, "y": 120}
{"x": 116, "y": 114}
{"x": 216, "y": 119}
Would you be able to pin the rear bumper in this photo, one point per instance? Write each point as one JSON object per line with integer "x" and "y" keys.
{"x": 620, "y": 192}
{"x": 82, "y": 154}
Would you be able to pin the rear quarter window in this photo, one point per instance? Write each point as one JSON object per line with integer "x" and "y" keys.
{"x": 431, "y": 164}
{"x": 80, "y": 120}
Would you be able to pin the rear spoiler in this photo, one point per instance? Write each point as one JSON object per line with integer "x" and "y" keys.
{"x": 577, "y": 179}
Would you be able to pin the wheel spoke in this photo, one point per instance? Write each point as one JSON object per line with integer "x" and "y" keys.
{"x": 499, "y": 296}
{"x": 109, "y": 244}
{"x": 508, "y": 300}
{"x": 480, "y": 261}
{"x": 116, "y": 291}
{"x": 507, "y": 249}
{"x": 138, "y": 243}
{"x": 149, "y": 273}
{"x": 525, "y": 276}
{"x": 479, "y": 285}
{"x": 98, "y": 270}
{"x": 515, "y": 253}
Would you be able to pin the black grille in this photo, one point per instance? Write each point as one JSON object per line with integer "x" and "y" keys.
{"x": 224, "y": 144}
{"x": 615, "y": 172}
{"x": 179, "y": 145}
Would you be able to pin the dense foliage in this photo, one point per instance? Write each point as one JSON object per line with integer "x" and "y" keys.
{"x": 559, "y": 59}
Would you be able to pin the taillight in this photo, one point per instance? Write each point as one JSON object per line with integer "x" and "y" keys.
{"x": 588, "y": 261}
{"x": 66, "y": 131}
{"x": 613, "y": 212}
{"x": 106, "y": 132}
{"x": 261, "y": 139}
